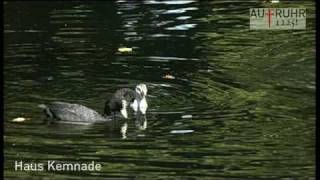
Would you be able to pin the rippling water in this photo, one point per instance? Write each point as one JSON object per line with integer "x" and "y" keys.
{"x": 240, "y": 103}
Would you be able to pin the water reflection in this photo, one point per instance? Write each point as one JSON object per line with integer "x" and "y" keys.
{"x": 123, "y": 130}
{"x": 140, "y": 121}
{"x": 140, "y": 124}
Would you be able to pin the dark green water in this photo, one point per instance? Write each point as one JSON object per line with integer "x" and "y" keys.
{"x": 247, "y": 98}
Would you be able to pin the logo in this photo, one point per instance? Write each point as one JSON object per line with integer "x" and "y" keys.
{"x": 278, "y": 18}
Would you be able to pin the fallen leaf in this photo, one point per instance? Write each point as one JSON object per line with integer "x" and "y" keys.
{"x": 124, "y": 49}
{"x": 181, "y": 131}
{"x": 168, "y": 76}
{"x": 20, "y": 119}
{"x": 186, "y": 116}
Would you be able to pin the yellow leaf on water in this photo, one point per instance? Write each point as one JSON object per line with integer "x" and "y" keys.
{"x": 20, "y": 119}
{"x": 168, "y": 76}
{"x": 124, "y": 49}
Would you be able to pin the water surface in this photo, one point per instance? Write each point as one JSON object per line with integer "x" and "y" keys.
{"x": 241, "y": 104}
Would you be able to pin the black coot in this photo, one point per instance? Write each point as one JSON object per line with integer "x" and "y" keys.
{"x": 62, "y": 111}
{"x": 67, "y": 112}
{"x": 119, "y": 102}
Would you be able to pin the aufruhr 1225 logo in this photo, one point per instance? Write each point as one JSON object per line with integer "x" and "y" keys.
{"x": 278, "y": 18}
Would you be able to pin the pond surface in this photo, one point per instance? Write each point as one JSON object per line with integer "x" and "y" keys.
{"x": 225, "y": 102}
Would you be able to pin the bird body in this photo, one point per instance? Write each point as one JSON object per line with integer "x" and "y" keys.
{"x": 72, "y": 112}
{"x": 118, "y": 102}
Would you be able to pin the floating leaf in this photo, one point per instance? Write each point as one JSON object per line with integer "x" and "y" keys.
{"x": 168, "y": 76}
{"x": 50, "y": 78}
{"x": 181, "y": 131}
{"x": 124, "y": 49}
{"x": 186, "y": 116}
{"x": 20, "y": 119}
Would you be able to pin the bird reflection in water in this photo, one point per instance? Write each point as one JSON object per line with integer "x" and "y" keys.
{"x": 140, "y": 122}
